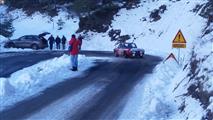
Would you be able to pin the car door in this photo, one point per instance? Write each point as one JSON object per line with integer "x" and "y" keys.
{"x": 26, "y": 42}
{"x": 19, "y": 42}
{"x": 29, "y": 41}
{"x": 121, "y": 49}
{"x": 125, "y": 48}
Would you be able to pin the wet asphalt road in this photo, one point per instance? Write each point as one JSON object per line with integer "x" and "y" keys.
{"x": 14, "y": 61}
{"x": 120, "y": 74}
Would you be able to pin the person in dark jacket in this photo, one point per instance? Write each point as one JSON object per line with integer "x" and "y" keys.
{"x": 75, "y": 44}
{"x": 63, "y": 40}
{"x": 51, "y": 41}
{"x": 58, "y": 41}
{"x": 80, "y": 38}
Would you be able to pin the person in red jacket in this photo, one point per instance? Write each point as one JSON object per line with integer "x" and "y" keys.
{"x": 75, "y": 48}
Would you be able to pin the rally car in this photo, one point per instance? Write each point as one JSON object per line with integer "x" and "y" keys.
{"x": 128, "y": 50}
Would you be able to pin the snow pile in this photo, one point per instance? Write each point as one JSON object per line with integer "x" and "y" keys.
{"x": 32, "y": 80}
{"x": 5, "y": 87}
{"x": 151, "y": 99}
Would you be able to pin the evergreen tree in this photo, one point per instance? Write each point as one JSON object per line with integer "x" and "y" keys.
{"x": 6, "y": 28}
{"x": 60, "y": 24}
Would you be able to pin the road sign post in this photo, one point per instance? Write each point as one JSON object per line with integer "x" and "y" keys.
{"x": 179, "y": 42}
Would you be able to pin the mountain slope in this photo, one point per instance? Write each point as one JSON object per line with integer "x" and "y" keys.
{"x": 174, "y": 91}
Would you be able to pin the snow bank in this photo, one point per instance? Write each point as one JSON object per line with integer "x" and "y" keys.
{"x": 32, "y": 80}
{"x": 151, "y": 99}
{"x": 6, "y": 88}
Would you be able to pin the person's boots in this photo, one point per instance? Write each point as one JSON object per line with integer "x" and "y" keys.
{"x": 74, "y": 69}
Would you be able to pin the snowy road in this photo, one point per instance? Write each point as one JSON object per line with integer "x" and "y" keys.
{"x": 100, "y": 93}
{"x": 14, "y": 61}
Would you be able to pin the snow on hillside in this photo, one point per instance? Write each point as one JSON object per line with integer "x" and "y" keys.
{"x": 159, "y": 35}
{"x": 193, "y": 87}
{"x": 149, "y": 35}
{"x": 163, "y": 94}
{"x": 39, "y": 23}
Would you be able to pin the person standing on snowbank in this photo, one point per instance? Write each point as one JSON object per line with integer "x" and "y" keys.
{"x": 74, "y": 51}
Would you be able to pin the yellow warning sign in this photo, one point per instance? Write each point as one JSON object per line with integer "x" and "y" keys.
{"x": 179, "y": 38}
{"x": 179, "y": 45}
{"x": 179, "y": 41}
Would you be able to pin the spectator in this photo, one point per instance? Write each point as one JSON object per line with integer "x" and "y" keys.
{"x": 58, "y": 41}
{"x": 75, "y": 45}
{"x": 51, "y": 41}
{"x": 80, "y": 38}
{"x": 63, "y": 42}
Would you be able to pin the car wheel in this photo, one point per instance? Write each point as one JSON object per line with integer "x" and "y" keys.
{"x": 34, "y": 47}
{"x": 125, "y": 55}
{"x": 116, "y": 54}
{"x": 11, "y": 45}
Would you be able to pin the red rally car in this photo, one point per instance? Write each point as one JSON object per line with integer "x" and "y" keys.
{"x": 128, "y": 50}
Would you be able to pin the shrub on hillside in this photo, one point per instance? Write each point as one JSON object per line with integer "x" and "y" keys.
{"x": 6, "y": 28}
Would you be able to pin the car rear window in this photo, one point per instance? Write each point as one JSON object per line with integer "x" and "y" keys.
{"x": 32, "y": 38}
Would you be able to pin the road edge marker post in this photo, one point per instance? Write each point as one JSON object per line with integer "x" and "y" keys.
{"x": 179, "y": 42}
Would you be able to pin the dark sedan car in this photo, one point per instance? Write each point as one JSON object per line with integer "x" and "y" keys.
{"x": 28, "y": 41}
{"x": 128, "y": 50}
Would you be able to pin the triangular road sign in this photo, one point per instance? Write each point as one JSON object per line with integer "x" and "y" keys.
{"x": 171, "y": 56}
{"x": 179, "y": 38}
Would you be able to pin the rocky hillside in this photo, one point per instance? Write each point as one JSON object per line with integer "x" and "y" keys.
{"x": 197, "y": 85}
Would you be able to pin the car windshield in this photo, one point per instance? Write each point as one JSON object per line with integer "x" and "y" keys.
{"x": 130, "y": 45}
